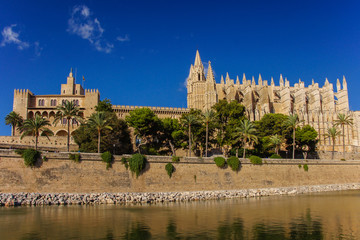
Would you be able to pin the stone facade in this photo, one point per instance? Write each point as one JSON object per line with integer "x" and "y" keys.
{"x": 28, "y": 104}
{"x": 316, "y": 106}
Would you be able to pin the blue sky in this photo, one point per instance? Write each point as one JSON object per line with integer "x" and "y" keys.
{"x": 139, "y": 52}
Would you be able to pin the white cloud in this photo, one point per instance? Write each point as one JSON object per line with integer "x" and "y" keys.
{"x": 123, "y": 39}
{"x": 81, "y": 23}
{"x": 38, "y": 49}
{"x": 10, "y": 36}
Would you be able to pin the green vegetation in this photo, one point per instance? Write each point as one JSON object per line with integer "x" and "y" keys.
{"x": 71, "y": 113}
{"x": 175, "y": 159}
{"x": 116, "y": 140}
{"x": 343, "y": 159}
{"x": 75, "y": 157}
{"x": 188, "y": 120}
{"x": 246, "y": 134}
{"x": 256, "y": 160}
{"x": 343, "y": 120}
{"x": 45, "y": 159}
{"x": 332, "y": 133}
{"x": 306, "y": 168}
{"x": 15, "y": 120}
{"x": 137, "y": 163}
{"x": 291, "y": 123}
{"x": 125, "y": 162}
{"x": 275, "y": 156}
{"x": 299, "y": 165}
{"x": 107, "y": 158}
{"x": 234, "y": 163}
{"x": 30, "y": 156}
{"x": 146, "y": 128}
{"x": 99, "y": 121}
{"x": 35, "y": 126}
{"x": 169, "y": 169}
{"x": 220, "y": 162}
{"x": 207, "y": 117}
{"x": 195, "y": 178}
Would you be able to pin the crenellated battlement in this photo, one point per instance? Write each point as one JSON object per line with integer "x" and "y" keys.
{"x": 87, "y": 91}
{"x": 22, "y": 92}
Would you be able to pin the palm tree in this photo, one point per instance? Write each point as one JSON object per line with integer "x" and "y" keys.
{"x": 14, "y": 119}
{"x": 246, "y": 134}
{"x": 332, "y": 133}
{"x": 35, "y": 126}
{"x": 207, "y": 117}
{"x": 292, "y": 122}
{"x": 99, "y": 121}
{"x": 188, "y": 120}
{"x": 343, "y": 120}
{"x": 276, "y": 141}
{"x": 68, "y": 111}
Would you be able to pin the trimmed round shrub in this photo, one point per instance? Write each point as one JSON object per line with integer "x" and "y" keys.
{"x": 306, "y": 168}
{"x": 234, "y": 163}
{"x": 137, "y": 163}
{"x": 107, "y": 157}
{"x": 75, "y": 157}
{"x": 256, "y": 160}
{"x": 175, "y": 159}
{"x": 30, "y": 156}
{"x": 220, "y": 162}
{"x": 275, "y": 156}
{"x": 44, "y": 158}
{"x": 169, "y": 169}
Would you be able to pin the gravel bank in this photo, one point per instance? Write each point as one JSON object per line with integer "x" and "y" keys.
{"x": 39, "y": 199}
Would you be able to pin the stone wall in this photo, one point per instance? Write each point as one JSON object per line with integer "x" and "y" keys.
{"x": 59, "y": 174}
{"x": 53, "y": 143}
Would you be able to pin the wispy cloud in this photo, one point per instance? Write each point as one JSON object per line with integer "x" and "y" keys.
{"x": 12, "y": 37}
{"x": 123, "y": 39}
{"x": 82, "y": 23}
{"x": 38, "y": 49}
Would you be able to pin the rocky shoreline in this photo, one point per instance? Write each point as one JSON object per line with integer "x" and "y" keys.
{"x": 41, "y": 199}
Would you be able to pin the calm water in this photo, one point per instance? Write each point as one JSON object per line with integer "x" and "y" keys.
{"x": 315, "y": 216}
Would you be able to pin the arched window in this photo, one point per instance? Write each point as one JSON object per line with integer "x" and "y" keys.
{"x": 64, "y": 121}
{"x": 54, "y": 102}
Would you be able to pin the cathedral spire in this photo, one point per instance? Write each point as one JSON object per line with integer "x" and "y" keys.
{"x": 281, "y": 81}
{"x": 260, "y": 80}
{"x": 237, "y": 80}
{"x": 227, "y": 79}
{"x": 222, "y": 80}
{"x": 344, "y": 83}
{"x": 244, "y": 80}
{"x": 326, "y": 82}
{"x": 197, "y": 59}
{"x": 210, "y": 74}
{"x": 338, "y": 85}
{"x": 272, "y": 81}
{"x": 253, "y": 81}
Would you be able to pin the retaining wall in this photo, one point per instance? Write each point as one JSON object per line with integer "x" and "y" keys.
{"x": 59, "y": 174}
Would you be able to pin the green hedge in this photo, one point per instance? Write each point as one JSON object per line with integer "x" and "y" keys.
{"x": 175, "y": 159}
{"x": 256, "y": 160}
{"x": 220, "y": 162}
{"x": 306, "y": 168}
{"x": 30, "y": 156}
{"x": 137, "y": 163}
{"x": 234, "y": 163}
{"x": 108, "y": 158}
{"x": 275, "y": 156}
{"x": 125, "y": 161}
{"x": 169, "y": 169}
{"x": 75, "y": 157}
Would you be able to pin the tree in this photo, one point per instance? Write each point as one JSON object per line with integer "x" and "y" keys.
{"x": 207, "y": 117}
{"x": 69, "y": 111}
{"x": 171, "y": 134}
{"x": 276, "y": 141}
{"x": 292, "y": 122}
{"x": 246, "y": 134}
{"x": 306, "y": 139}
{"x": 146, "y": 126}
{"x": 104, "y": 106}
{"x": 271, "y": 124}
{"x": 228, "y": 119}
{"x": 188, "y": 120}
{"x": 333, "y": 133}
{"x": 99, "y": 121}
{"x": 343, "y": 120}
{"x": 117, "y": 140}
{"x": 15, "y": 120}
{"x": 35, "y": 126}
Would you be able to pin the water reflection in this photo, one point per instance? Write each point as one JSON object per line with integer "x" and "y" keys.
{"x": 317, "y": 216}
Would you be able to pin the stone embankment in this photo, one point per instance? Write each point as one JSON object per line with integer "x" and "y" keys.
{"x": 38, "y": 199}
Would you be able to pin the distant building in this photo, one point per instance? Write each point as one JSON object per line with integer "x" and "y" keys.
{"x": 28, "y": 104}
{"x": 316, "y": 106}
